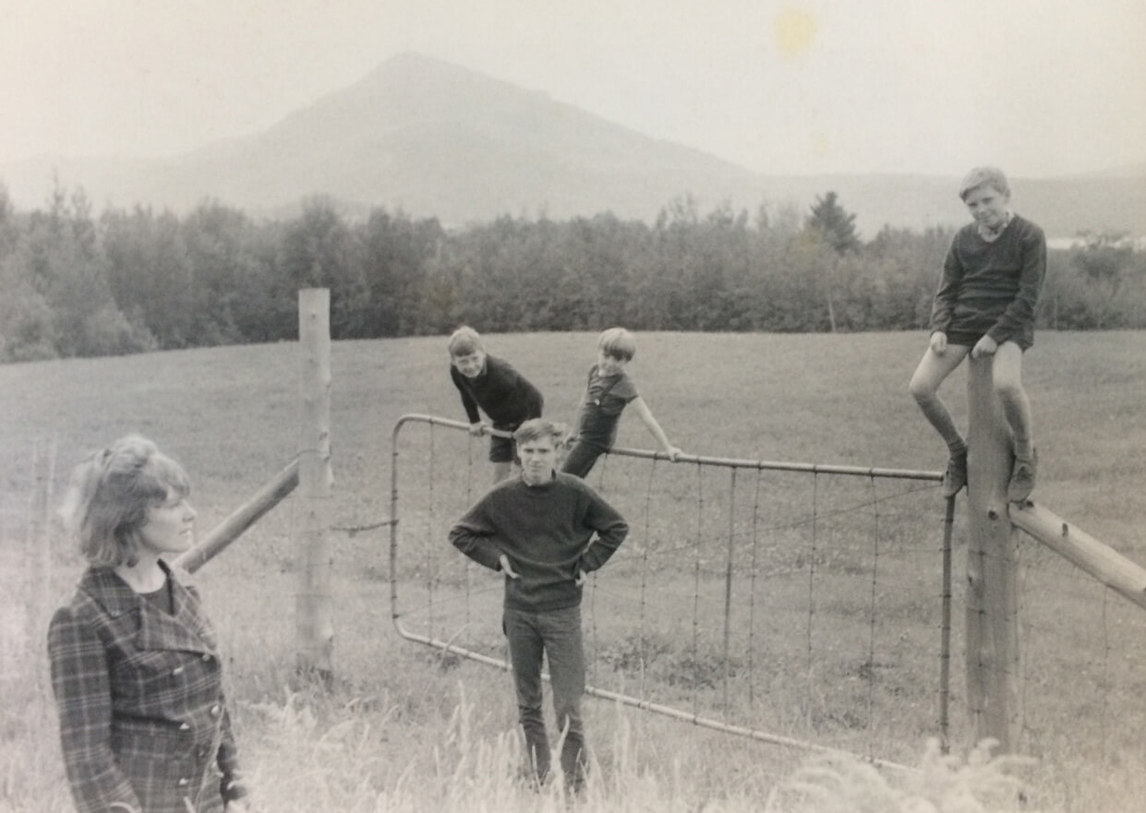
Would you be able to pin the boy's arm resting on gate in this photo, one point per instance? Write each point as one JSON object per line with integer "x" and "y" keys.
{"x": 1021, "y": 311}
{"x": 646, "y": 416}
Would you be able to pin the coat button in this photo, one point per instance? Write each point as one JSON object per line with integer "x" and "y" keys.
{"x": 184, "y": 727}
{"x": 207, "y": 656}
{"x": 178, "y": 670}
{"x": 215, "y": 710}
{"x": 184, "y": 781}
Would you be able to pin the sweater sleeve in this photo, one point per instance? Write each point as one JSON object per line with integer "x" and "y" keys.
{"x": 473, "y": 535}
{"x": 82, "y": 687}
{"x": 1021, "y": 311}
{"x": 944, "y": 305}
{"x": 519, "y": 399}
{"x": 468, "y": 402}
{"x": 611, "y": 530}
{"x": 534, "y": 403}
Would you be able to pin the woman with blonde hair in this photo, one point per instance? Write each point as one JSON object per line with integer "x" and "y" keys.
{"x": 135, "y": 666}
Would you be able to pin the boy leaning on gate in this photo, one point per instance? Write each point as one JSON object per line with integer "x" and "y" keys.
{"x": 608, "y": 391}
{"x": 500, "y": 391}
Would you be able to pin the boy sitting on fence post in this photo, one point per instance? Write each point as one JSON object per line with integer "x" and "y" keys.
{"x": 985, "y": 306}
{"x": 499, "y": 390}
{"x": 608, "y": 391}
{"x": 544, "y": 530}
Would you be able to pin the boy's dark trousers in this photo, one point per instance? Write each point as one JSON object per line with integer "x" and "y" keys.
{"x": 581, "y": 458}
{"x": 557, "y": 634}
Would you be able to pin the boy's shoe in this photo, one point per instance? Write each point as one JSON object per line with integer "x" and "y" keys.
{"x": 956, "y": 475}
{"x": 1023, "y": 477}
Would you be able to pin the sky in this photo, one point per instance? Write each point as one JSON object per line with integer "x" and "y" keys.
{"x": 914, "y": 86}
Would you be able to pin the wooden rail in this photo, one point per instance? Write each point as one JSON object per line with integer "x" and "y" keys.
{"x": 241, "y": 519}
{"x": 1099, "y": 560}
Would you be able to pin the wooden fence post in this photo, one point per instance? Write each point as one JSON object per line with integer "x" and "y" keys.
{"x": 994, "y": 665}
{"x": 39, "y": 544}
{"x": 315, "y": 629}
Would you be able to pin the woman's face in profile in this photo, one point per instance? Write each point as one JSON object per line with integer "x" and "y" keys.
{"x": 170, "y": 525}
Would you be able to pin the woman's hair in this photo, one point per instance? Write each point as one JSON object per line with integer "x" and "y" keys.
{"x": 110, "y": 493}
{"x": 984, "y": 176}
{"x": 465, "y": 341}
{"x": 618, "y": 343}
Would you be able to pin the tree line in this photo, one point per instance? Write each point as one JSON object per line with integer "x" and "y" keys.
{"x": 74, "y": 283}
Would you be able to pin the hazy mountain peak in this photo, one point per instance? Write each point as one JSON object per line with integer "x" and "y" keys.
{"x": 437, "y": 139}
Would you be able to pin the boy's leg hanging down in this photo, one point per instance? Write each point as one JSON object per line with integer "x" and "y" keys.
{"x": 580, "y": 460}
{"x": 526, "y": 648}
{"x": 933, "y": 369}
{"x": 1007, "y": 379}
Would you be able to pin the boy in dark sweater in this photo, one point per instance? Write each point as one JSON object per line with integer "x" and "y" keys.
{"x": 544, "y": 530}
{"x": 985, "y": 306}
{"x": 501, "y": 392}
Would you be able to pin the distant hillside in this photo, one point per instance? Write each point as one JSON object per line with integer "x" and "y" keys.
{"x": 438, "y": 140}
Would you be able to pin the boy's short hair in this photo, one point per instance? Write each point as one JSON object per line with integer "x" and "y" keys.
{"x": 536, "y": 428}
{"x": 465, "y": 341}
{"x": 618, "y": 343}
{"x": 984, "y": 176}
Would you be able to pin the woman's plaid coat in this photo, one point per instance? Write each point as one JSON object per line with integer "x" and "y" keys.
{"x": 143, "y": 720}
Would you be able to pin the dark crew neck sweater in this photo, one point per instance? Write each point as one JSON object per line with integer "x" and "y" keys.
{"x": 501, "y": 391}
{"x": 992, "y": 287}
{"x": 550, "y": 532}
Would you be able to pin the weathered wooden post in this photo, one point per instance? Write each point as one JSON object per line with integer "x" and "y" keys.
{"x": 994, "y": 665}
{"x": 39, "y": 546}
{"x": 315, "y": 630}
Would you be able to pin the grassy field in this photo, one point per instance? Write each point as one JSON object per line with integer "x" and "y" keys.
{"x": 408, "y": 729}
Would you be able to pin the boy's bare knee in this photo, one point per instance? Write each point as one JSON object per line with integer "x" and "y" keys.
{"x": 1008, "y": 389}
{"x": 921, "y": 390}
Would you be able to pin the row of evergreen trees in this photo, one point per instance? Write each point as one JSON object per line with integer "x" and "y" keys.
{"x": 76, "y": 284}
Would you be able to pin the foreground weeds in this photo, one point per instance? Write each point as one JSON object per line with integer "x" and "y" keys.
{"x": 469, "y": 768}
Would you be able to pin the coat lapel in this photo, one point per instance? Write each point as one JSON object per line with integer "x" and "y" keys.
{"x": 186, "y": 630}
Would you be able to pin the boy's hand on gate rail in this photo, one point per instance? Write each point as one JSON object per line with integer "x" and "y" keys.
{"x": 477, "y": 429}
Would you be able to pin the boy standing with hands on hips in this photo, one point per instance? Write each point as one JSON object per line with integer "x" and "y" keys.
{"x": 985, "y": 306}
{"x": 544, "y": 531}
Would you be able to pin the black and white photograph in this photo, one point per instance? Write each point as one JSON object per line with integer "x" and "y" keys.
{"x": 437, "y": 407}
